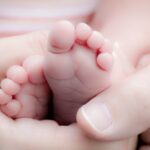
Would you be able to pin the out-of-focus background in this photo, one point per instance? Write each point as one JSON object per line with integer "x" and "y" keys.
{"x": 22, "y": 16}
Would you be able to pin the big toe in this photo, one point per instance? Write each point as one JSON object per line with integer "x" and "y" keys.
{"x": 62, "y": 37}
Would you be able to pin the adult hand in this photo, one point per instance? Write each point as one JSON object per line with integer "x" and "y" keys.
{"x": 121, "y": 111}
{"x": 29, "y": 134}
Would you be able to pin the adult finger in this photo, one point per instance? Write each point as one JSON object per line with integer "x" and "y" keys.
{"x": 121, "y": 111}
{"x": 45, "y": 135}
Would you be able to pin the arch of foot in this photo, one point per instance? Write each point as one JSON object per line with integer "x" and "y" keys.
{"x": 24, "y": 92}
{"x": 89, "y": 42}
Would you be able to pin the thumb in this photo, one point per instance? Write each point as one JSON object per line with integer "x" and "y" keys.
{"x": 121, "y": 111}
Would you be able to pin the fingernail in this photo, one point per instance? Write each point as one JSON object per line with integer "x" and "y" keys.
{"x": 97, "y": 116}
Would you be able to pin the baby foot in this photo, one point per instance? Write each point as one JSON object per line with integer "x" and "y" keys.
{"x": 77, "y": 67}
{"x": 24, "y": 91}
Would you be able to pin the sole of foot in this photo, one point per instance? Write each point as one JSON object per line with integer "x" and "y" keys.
{"x": 24, "y": 92}
{"x": 77, "y": 67}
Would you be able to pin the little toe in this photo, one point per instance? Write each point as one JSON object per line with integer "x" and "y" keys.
{"x": 12, "y": 108}
{"x": 105, "y": 61}
{"x": 17, "y": 74}
{"x": 34, "y": 67}
{"x": 62, "y": 37}
{"x": 4, "y": 98}
{"x": 95, "y": 41}
{"x": 10, "y": 87}
{"x": 83, "y": 31}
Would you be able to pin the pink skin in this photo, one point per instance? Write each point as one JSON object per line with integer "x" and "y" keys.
{"x": 32, "y": 67}
{"x": 80, "y": 70}
{"x": 24, "y": 91}
{"x": 77, "y": 68}
{"x": 145, "y": 137}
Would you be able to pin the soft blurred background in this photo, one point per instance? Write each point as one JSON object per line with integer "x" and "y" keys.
{"x": 22, "y": 16}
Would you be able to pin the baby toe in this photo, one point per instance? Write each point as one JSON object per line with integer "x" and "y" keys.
{"x": 12, "y": 108}
{"x": 4, "y": 98}
{"x": 17, "y": 74}
{"x": 107, "y": 47}
{"x": 95, "y": 41}
{"x": 10, "y": 87}
{"x": 62, "y": 37}
{"x": 105, "y": 61}
{"x": 83, "y": 31}
{"x": 34, "y": 67}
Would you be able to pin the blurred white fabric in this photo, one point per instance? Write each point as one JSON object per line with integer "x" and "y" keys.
{"x": 18, "y": 16}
